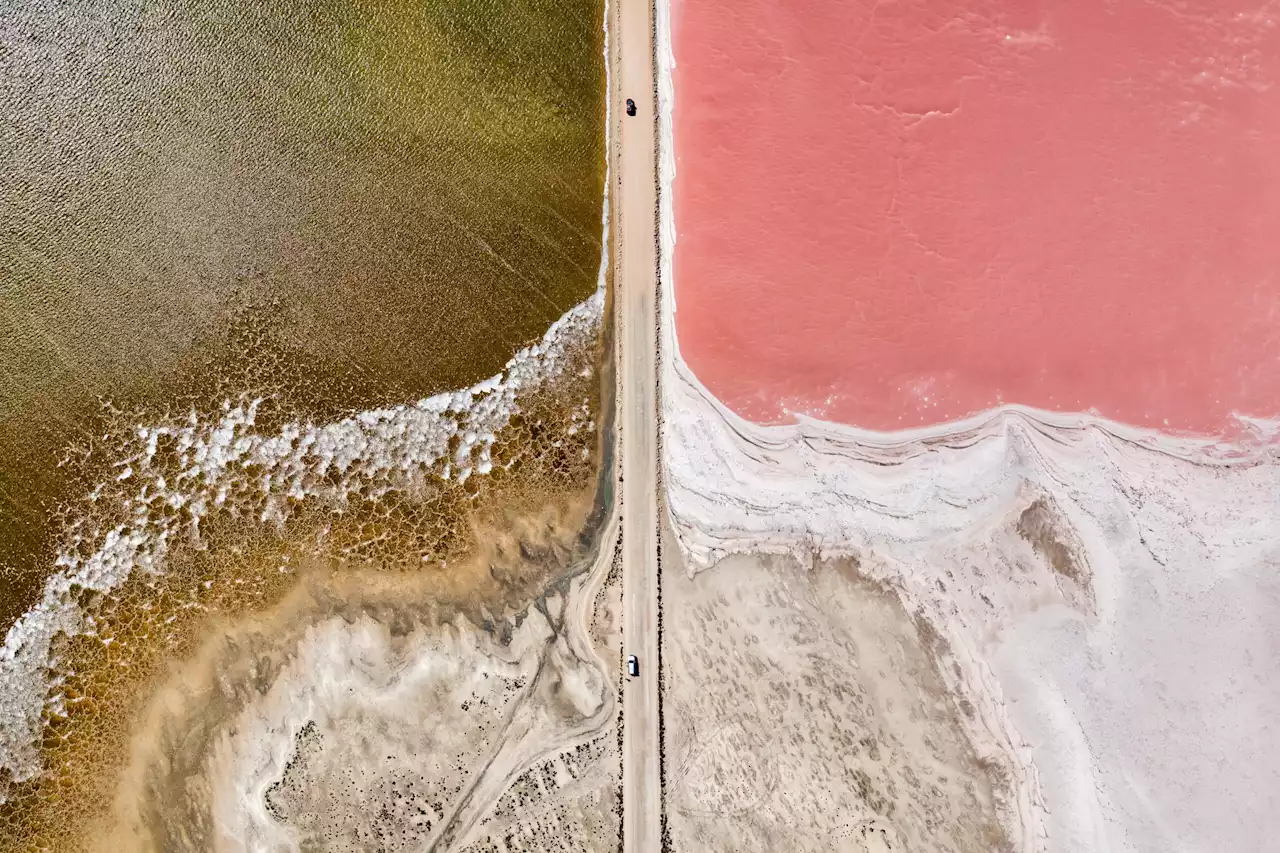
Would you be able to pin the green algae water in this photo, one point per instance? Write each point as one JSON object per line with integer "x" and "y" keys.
{"x": 242, "y": 246}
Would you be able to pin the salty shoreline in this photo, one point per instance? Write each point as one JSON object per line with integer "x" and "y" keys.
{"x": 1145, "y": 527}
{"x": 383, "y": 449}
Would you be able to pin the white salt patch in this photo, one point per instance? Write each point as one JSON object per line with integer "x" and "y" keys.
{"x": 354, "y": 670}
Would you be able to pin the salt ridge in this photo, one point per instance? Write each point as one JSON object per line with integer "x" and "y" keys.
{"x": 1073, "y": 685}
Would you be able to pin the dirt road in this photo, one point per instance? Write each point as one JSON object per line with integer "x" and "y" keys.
{"x": 634, "y": 171}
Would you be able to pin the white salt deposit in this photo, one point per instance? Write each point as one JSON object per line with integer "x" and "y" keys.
{"x": 351, "y": 677}
{"x": 1133, "y": 704}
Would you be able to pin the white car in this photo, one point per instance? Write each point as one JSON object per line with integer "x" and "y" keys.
{"x": 633, "y": 666}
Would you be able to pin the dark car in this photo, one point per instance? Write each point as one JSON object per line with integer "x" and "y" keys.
{"x": 631, "y": 107}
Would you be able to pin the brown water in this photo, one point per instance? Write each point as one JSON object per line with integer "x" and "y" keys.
{"x": 353, "y": 203}
{"x": 328, "y": 207}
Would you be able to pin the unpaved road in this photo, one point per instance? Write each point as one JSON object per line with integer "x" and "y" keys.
{"x": 634, "y": 175}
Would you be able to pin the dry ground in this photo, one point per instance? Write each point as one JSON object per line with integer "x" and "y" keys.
{"x": 380, "y": 724}
{"x": 803, "y": 713}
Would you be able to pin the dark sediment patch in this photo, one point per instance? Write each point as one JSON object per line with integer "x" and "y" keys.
{"x": 1041, "y": 526}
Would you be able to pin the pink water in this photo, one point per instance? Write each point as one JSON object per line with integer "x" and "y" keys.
{"x": 899, "y": 213}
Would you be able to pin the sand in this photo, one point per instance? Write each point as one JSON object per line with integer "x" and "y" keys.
{"x": 805, "y": 713}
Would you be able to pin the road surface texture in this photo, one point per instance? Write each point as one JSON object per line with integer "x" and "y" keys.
{"x": 635, "y": 292}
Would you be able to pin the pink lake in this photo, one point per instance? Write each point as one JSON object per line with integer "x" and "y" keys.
{"x": 899, "y": 213}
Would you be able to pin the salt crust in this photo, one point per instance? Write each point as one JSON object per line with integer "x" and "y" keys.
{"x": 1130, "y": 706}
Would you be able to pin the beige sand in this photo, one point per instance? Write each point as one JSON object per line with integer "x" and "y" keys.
{"x": 805, "y": 713}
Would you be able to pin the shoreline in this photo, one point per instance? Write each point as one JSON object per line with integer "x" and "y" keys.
{"x": 1171, "y": 538}
{"x": 390, "y": 443}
